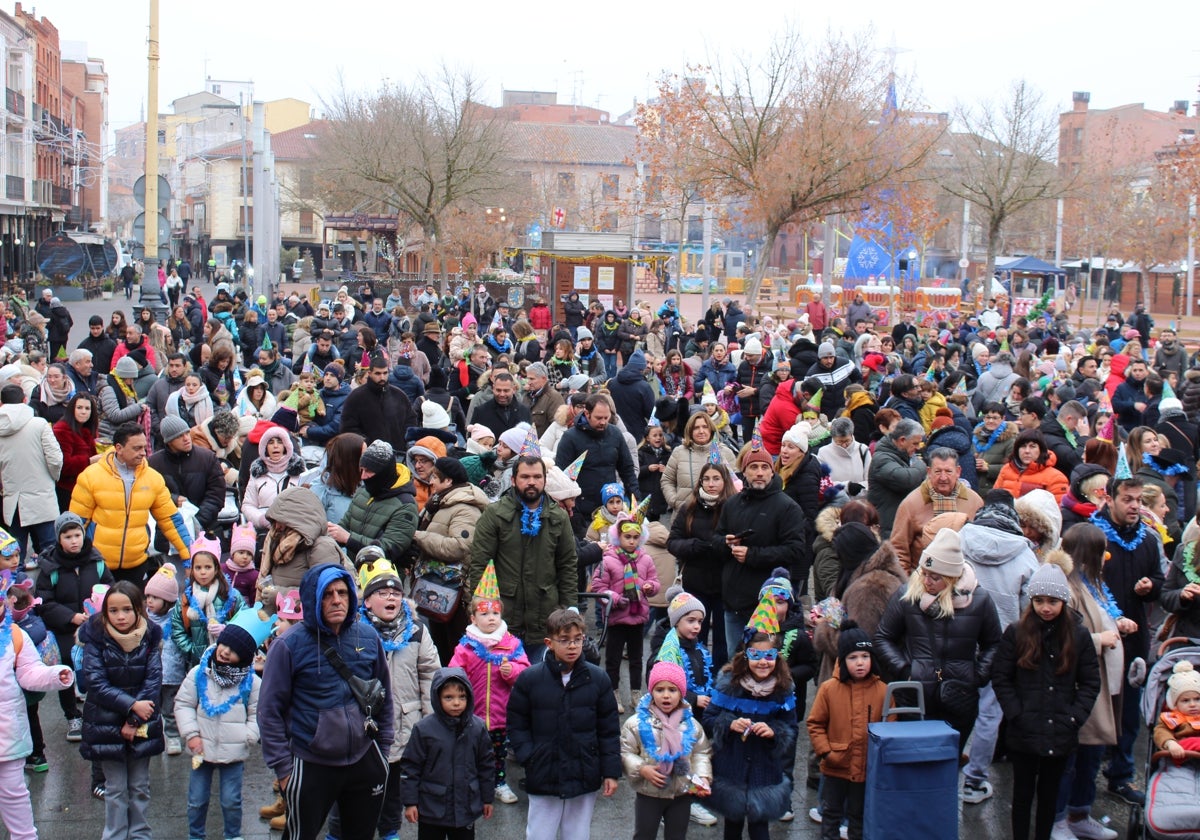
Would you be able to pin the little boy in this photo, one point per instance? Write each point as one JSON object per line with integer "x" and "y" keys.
{"x": 240, "y": 567}
{"x": 845, "y": 704}
{"x": 492, "y": 658}
{"x": 563, "y": 712}
{"x": 612, "y": 505}
{"x": 448, "y": 754}
{"x": 1178, "y": 728}
{"x": 162, "y": 591}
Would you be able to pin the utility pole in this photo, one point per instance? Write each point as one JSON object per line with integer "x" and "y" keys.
{"x": 151, "y": 294}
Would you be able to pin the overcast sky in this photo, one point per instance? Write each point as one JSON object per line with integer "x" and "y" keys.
{"x": 608, "y": 54}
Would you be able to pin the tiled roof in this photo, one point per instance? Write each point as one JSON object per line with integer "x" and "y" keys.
{"x": 298, "y": 143}
{"x": 601, "y": 145}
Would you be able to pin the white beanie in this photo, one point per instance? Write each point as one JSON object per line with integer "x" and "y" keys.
{"x": 514, "y": 437}
{"x": 752, "y": 347}
{"x": 433, "y": 416}
{"x": 944, "y": 555}
{"x": 1184, "y": 678}
{"x": 559, "y": 487}
{"x": 798, "y": 436}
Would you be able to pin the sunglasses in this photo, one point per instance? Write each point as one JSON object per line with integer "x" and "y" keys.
{"x": 756, "y": 655}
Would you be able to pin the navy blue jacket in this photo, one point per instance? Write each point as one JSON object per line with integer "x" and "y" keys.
{"x": 322, "y": 433}
{"x": 115, "y": 681}
{"x": 305, "y": 708}
{"x": 379, "y": 324}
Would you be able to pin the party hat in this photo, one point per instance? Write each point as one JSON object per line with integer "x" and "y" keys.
{"x": 95, "y": 601}
{"x": 708, "y": 390}
{"x": 266, "y": 343}
{"x": 756, "y": 441}
{"x": 764, "y": 619}
{"x": 575, "y": 467}
{"x": 1168, "y": 392}
{"x": 292, "y": 400}
{"x": 531, "y": 446}
{"x": 1105, "y": 400}
{"x": 714, "y": 453}
{"x": 373, "y": 570}
{"x": 815, "y": 402}
{"x": 671, "y": 650}
{"x": 307, "y": 367}
{"x": 488, "y": 588}
{"x": 1108, "y": 431}
{"x": 8, "y": 545}
{"x": 929, "y": 374}
{"x": 961, "y": 387}
{"x": 653, "y": 421}
{"x": 640, "y": 510}
{"x": 202, "y": 544}
{"x": 1122, "y": 463}
{"x": 254, "y": 621}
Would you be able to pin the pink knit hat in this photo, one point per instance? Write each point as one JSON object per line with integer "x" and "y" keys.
{"x": 164, "y": 584}
{"x": 200, "y": 544}
{"x": 242, "y": 539}
{"x": 670, "y": 672}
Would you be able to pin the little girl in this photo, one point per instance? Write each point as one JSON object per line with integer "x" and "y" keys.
{"x": 752, "y": 723}
{"x": 1046, "y": 677}
{"x": 122, "y": 727}
{"x": 21, "y": 668}
{"x": 666, "y": 755}
{"x": 492, "y": 658}
{"x": 1178, "y": 728}
{"x": 479, "y": 439}
{"x": 627, "y": 574}
{"x": 653, "y": 455}
{"x": 216, "y": 708}
{"x": 207, "y": 603}
{"x": 240, "y": 568}
{"x": 612, "y": 505}
{"x": 162, "y": 593}
{"x": 21, "y": 603}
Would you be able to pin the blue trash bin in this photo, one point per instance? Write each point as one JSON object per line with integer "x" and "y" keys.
{"x": 912, "y": 774}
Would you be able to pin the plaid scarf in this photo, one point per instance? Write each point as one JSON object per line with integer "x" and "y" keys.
{"x": 943, "y": 504}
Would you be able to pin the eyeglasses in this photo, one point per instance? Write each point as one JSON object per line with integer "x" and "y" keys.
{"x": 570, "y": 643}
{"x": 756, "y": 655}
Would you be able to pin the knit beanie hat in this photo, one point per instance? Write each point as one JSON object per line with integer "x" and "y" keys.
{"x": 479, "y": 432}
{"x": 853, "y": 639}
{"x": 379, "y": 457}
{"x": 943, "y": 556}
{"x": 285, "y": 417}
{"x": 239, "y": 641}
{"x": 670, "y": 672}
{"x": 514, "y": 437}
{"x": 583, "y": 333}
{"x": 1184, "y": 678}
{"x": 242, "y": 538}
{"x": 451, "y": 469}
{"x": 1050, "y": 582}
{"x": 825, "y": 350}
{"x": 610, "y": 491}
{"x": 125, "y": 368}
{"x": 172, "y": 427}
{"x": 66, "y": 520}
{"x": 779, "y": 581}
{"x": 164, "y": 583}
{"x": 942, "y": 418}
{"x": 797, "y": 435}
{"x": 757, "y": 456}
{"x": 433, "y": 416}
{"x": 680, "y": 603}
{"x": 336, "y": 368}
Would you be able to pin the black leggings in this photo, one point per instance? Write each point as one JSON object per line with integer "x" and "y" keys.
{"x": 620, "y": 637}
{"x": 1040, "y": 775}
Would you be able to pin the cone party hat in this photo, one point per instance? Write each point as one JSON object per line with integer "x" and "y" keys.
{"x": 764, "y": 619}
{"x": 488, "y": 588}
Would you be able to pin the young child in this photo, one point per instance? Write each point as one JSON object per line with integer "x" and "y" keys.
{"x": 492, "y": 658}
{"x": 666, "y": 756}
{"x": 121, "y": 661}
{"x": 21, "y": 669}
{"x": 627, "y": 574}
{"x": 752, "y": 723}
{"x": 240, "y": 568}
{"x": 1178, "y": 728}
{"x": 162, "y": 592}
{"x": 612, "y": 505}
{"x": 288, "y": 611}
{"x": 216, "y": 707}
{"x": 564, "y": 730}
{"x": 67, "y": 571}
{"x": 480, "y": 439}
{"x": 845, "y": 704}
{"x": 653, "y": 455}
{"x": 447, "y": 771}
{"x": 412, "y": 661}
{"x": 304, "y": 398}
{"x": 207, "y": 603}
{"x": 1046, "y": 677}
{"x": 21, "y": 603}
{"x": 795, "y": 646}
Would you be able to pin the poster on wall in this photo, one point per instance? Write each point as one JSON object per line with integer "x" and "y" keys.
{"x": 606, "y": 278}
{"x": 583, "y": 278}
{"x": 606, "y": 300}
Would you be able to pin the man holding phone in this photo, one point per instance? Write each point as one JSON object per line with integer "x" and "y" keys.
{"x": 764, "y": 530}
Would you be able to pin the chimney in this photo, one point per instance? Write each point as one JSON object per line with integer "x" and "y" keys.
{"x": 1080, "y": 99}
{"x": 1180, "y": 107}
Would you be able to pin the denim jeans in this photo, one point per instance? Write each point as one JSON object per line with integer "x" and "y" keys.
{"x": 199, "y": 790}
{"x": 1120, "y": 766}
{"x": 1077, "y": 792}
{"x": 735, "y": 623}
{"x": 983, "y": 742}
{"x": 610, "y": 364}
{"x": 42, "y": 534}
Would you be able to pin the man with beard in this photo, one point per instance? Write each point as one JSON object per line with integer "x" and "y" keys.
{"x": 168, "y": 382}
{"x": 763, "y": 530}
{"x": 1129, "y": 400}
{"x": 503, "y": 411}
{"x": 529, "y": 537}
{"x": 377, "y": 410}
{"x": 608, "y": 455}
{"x": 1170, "y": 356}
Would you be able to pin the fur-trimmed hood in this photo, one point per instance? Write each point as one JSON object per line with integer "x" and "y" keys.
{"x": 871, "y": 587}
{"x": 828, "y": 521}
{"x": 1039, "y": 509}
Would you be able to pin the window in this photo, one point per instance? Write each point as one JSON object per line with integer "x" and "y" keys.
{"x": 245, "y": 219}
{"x": 306, "y": 222}
{"x": 654, "y": 188}
{"x": 162, "y": 137}
{"x": 695, "y": 228}
{"x": 652, "y": 228}
{"x": 566, "y": 184}
{"x": 610, "y": 187}
{"x": 608, "y": 222}
{"x": 247, "y": 185}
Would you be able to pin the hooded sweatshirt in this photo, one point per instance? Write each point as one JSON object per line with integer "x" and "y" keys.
{"x": 1004, "y": 563}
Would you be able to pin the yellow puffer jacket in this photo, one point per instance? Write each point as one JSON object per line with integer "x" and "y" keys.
{"x": 119, "y": 527}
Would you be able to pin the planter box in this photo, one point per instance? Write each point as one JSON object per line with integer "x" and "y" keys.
{"x": 105, "y": 295}
{"x": 67, "y": 294}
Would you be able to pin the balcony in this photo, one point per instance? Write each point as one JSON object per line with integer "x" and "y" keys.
{"x": 61, "y": 196}
{"x": 43, "y": 193}
{"x": 14, "y": 187}
{"x": 14, "y": 101}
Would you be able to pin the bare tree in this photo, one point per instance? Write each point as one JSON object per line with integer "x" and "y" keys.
{"x": 422, "y": 151}
{"x": 1006, "y": 155}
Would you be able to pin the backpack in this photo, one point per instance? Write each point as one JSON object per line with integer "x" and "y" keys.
{"x": 99, "y": 573}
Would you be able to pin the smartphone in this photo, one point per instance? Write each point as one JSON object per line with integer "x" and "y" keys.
{"x": 744, "y": 535}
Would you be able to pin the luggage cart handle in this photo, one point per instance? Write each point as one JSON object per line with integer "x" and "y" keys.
{"x": 904, "y": 685}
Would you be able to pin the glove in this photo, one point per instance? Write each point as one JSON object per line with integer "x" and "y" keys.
{"x": 854, "y": 488}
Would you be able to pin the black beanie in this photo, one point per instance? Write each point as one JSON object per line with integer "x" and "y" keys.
{"x": 239, "y": 641}
{"x": 452, "y": 470}
{"x": 851, "y": 640}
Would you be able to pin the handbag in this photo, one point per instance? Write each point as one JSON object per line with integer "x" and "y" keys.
{"x": 369, "y": 694}
{"x": 958, "y": 698}
{"x": 436, "y": 598}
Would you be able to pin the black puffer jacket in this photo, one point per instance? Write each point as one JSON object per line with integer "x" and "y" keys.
{"x": 608, "y": 459}
{"x": 1067, "y": 457}
{"x": 115, "y": 681}
{"x": 912, "y": 645}
{"x": 64, "y": 581}
{"x": 195, "y": 475}
{"x": 778, "y": 540}
{"x": 699, "y": 550}
{"x": 1044, "y": 709}
{"x": 804, "y": 488}
{"x": 568, "y": 738}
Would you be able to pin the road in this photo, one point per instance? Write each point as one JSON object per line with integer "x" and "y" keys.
{"x": 63, "y": 806}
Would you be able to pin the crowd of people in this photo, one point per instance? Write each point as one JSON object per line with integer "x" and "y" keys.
{"x": 269, "y": 521}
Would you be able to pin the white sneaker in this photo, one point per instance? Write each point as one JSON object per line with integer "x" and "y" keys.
{"x": 814, "y": 814}
{"x": 1061, "y": 832}
{"x": 788, "y": 816}
{"x": 844, "y": 832}
{"x": 975, "y": 792}
{"x": 174, "y": 747}
{"x": 505, "y": 794}
{"x": 701, "y": 815}
{"x": 1091, "y": 829}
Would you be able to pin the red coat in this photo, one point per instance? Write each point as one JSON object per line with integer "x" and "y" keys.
{"x": 781, "y": 414}
{"x": 77, "y": 449}
{"x": 818, "y": 315}
{"x": 539, "y": 317}
{"x": 1036, "y": 476}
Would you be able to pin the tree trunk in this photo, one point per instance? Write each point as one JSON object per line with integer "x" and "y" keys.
{"x": 760, "y": 273}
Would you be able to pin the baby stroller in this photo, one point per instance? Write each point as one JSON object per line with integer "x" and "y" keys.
{"x": 1172, "y": 791}
{"x": 593, "y": 646}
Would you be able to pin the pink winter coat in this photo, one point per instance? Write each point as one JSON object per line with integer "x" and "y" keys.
{"x": 491, "y": 688}
{"x": 610, "y": 577}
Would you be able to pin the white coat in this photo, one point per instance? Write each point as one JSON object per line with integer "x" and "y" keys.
{"x": 24, "y": 671}
{"x": 226, "y": 739}
{"x": 30, "y": 462}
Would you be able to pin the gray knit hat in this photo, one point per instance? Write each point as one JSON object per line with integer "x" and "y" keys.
{"x": 1049, "y": 581}
{"x": 125, "y": 368}
{"x": 680, "y": 603}
{"x": 379, "y": 457}
{"x": 66, "y": 520}
{"x": 826, "y": 349}
{"x": 172, "y": 427}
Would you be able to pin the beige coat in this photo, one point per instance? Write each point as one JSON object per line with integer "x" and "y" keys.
{"x": 683, "y": 471}
{"x": 447, "y": 537}
{"x": 1102, "y": 726}
{"x": 915, "y": 511}
{"x": 30, "y": 464}
{"x": 412, "y": 671}
{"x": 634, "y": 757}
